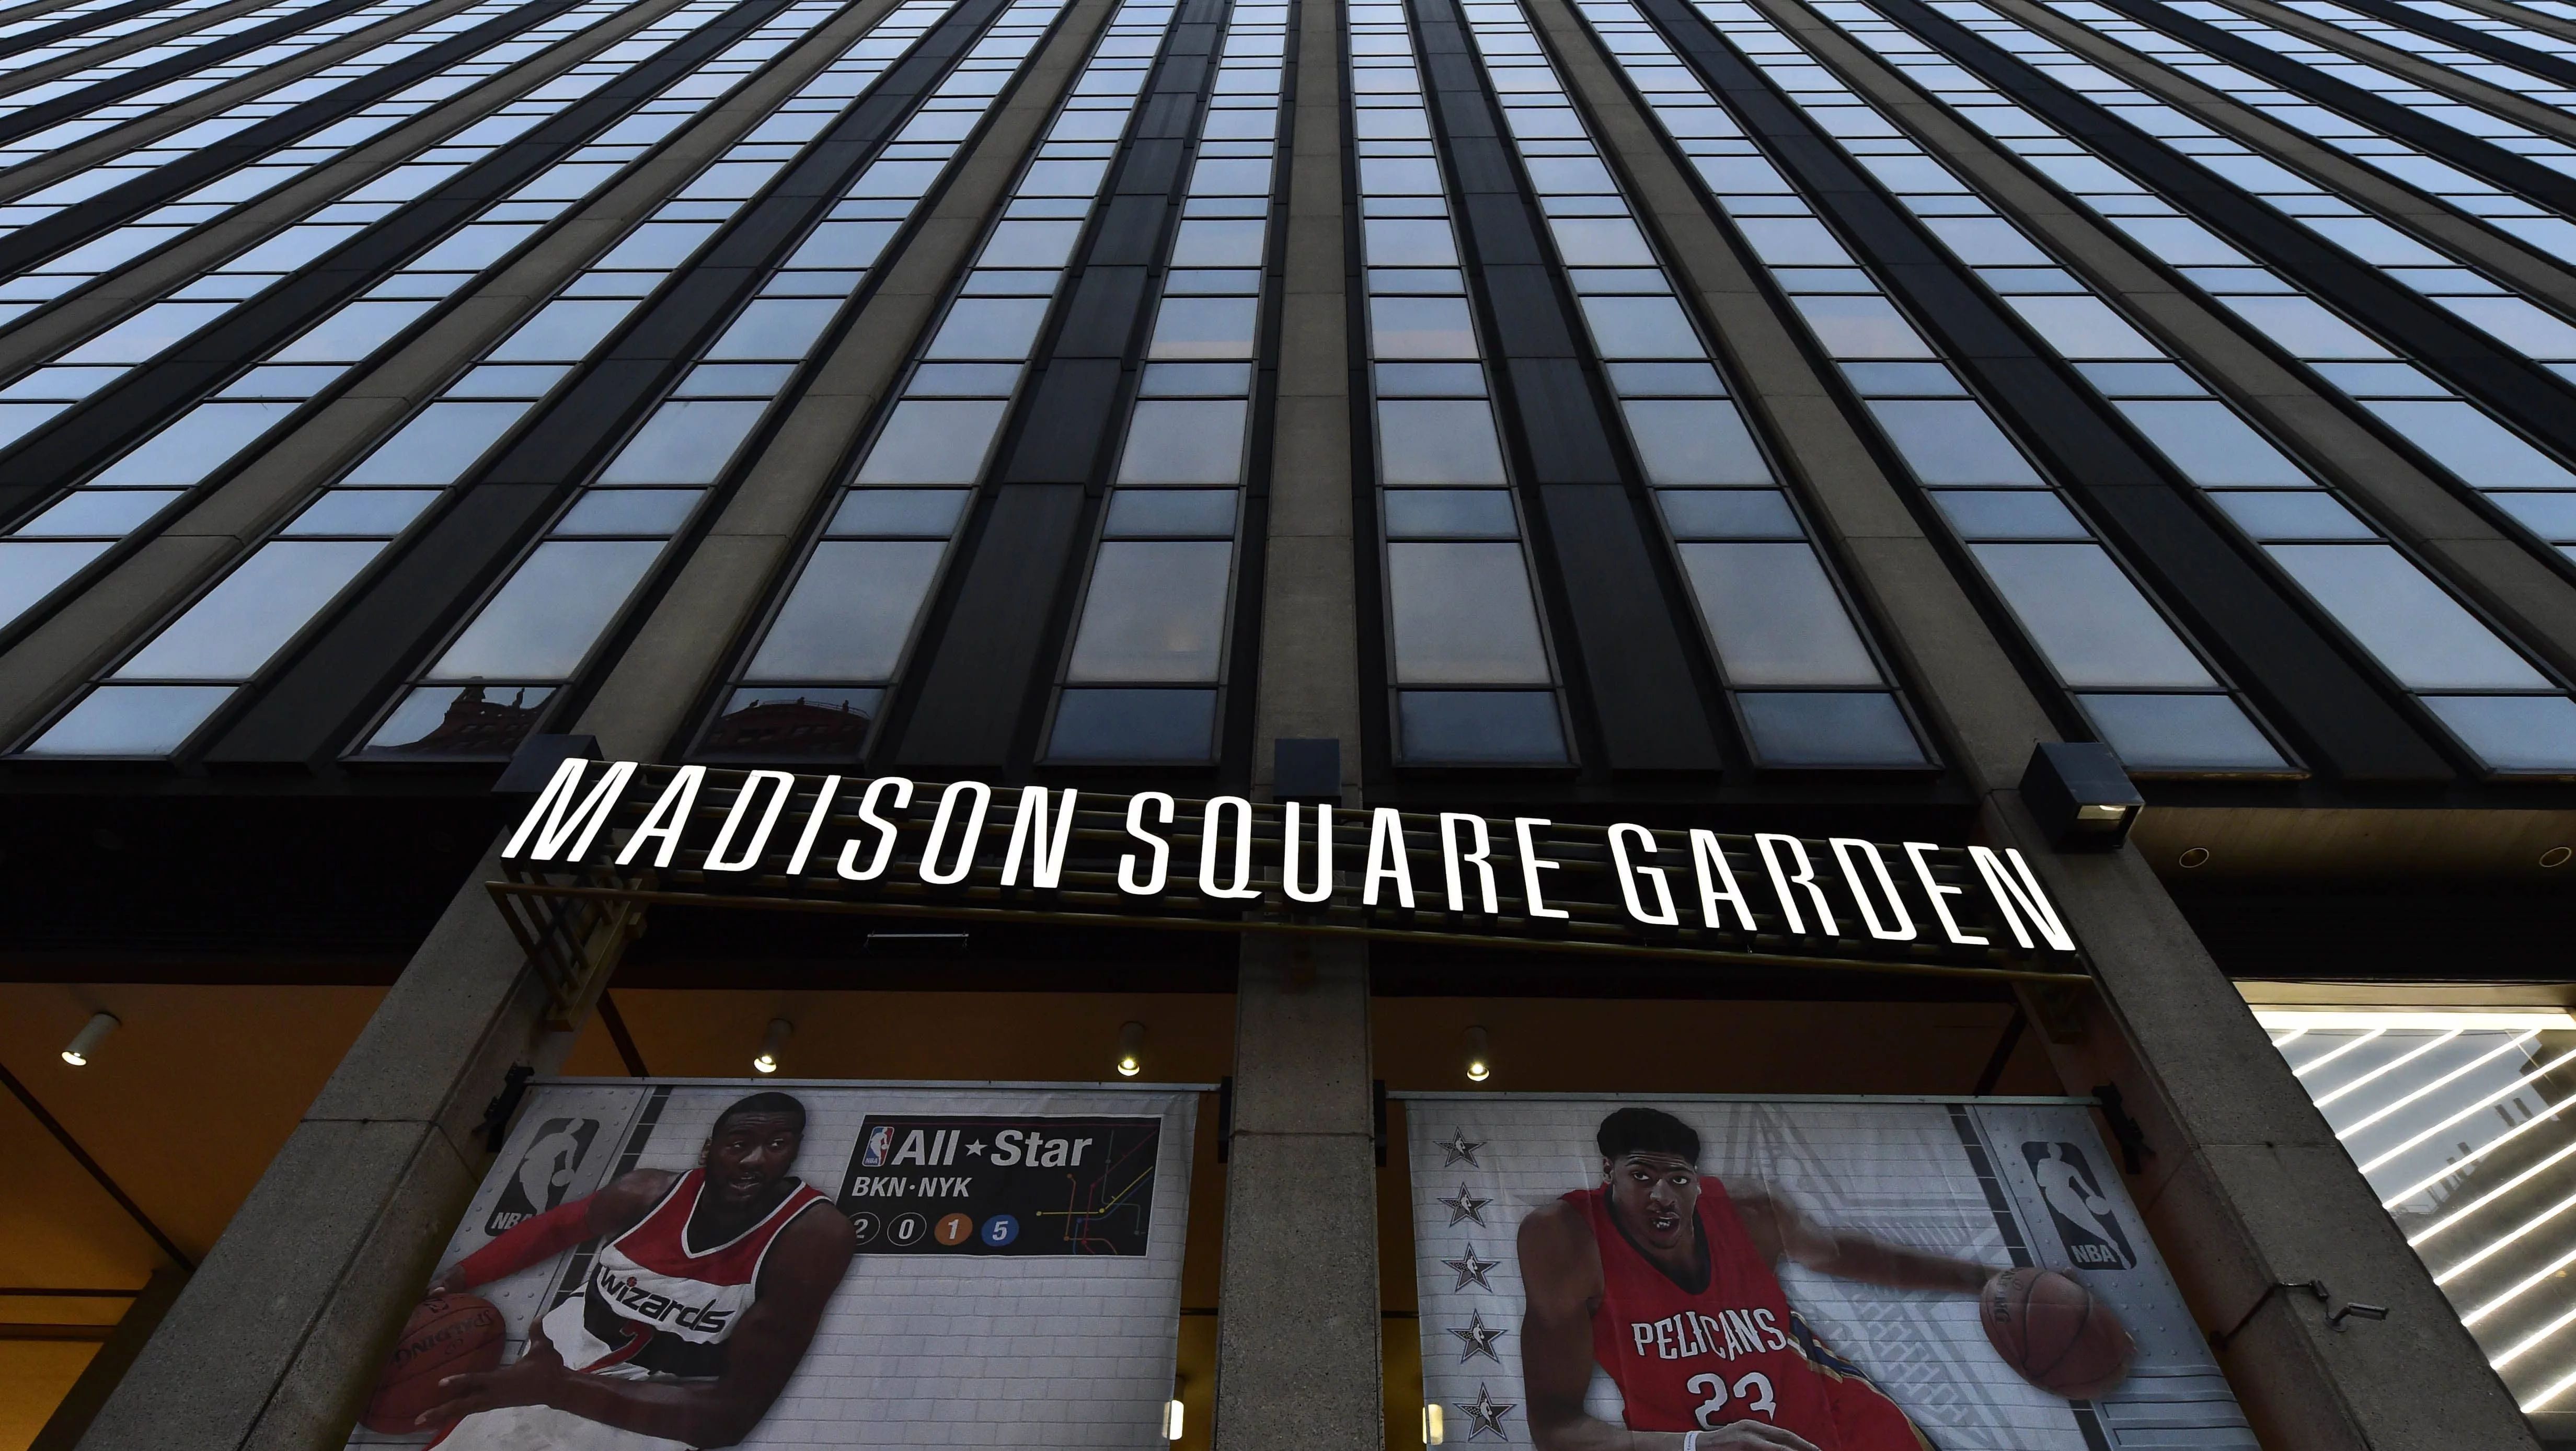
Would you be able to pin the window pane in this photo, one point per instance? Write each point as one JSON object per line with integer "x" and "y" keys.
{"x": 794, "y": 720}
{"x": 2087, "y": 618}
{"x": 1776, "y": 617}
{"x": 29, "y": 572}
{"x": 562, "y": 332}
{"x": 543, "y": 621}
{"x": 1134, "y": 725}
{"x": 1979, "y": 241}
{"x": 1450, "y": 514}
{"x": 904, "y": 513}
{"x": 1442, "y": 442}
{"x": 2551, "y": 516}
{"x": 353, "y": 332}
{"x": 200, "y": 442}
{"x": 1409, "y": 243}
{"x": 2211, "y": 445}
{"x": 1952, "y": 442}
{"x": 2306, "y": 514}
{"x": 1155, "y": 611}
{"x": 2180, "y": 733}
{"x": 232, "y": 632}
{"x": 1641, "y": 327}
{"x": 2423, "y": 636}
{"x": 1686, "y": 441}
{"x": 2303, "y": 328}
{"x": 989, "y": 327}
{"x": 1206, "y": 242}
{"x": 774, "y": 327}
{"x": 461, "y": 720}
{"x": 1030, "y": 244}
{"x": 933, "y": 443}
{"x": 843, "y": 244}
{"x": 2472, "y": 445}
{"x": 1600, "y": 242}
{"x": 2082, "y": 327}
{"x": 851, "y": 611}
{"x": 438, "y": 446}
{"x": 1420, "y": 327}
{"x": 1477, "y": 726}
{"x": 1200, "y": 513}
{"x": 1729, "y": 514}
{"x": 2513, "y": 732}
{"x": 1796, "y": 728}
{"x": 1170, "y": 442}
{"x": 362, "y": 511}
{"x": 630, "y": 511}
{"x": 684, "y": 443}
{"x": 98, "y": 511}
{"x": 2009, "y": 514}
{"x": 1204, "y": 327}
{"x": 1793, "y": 242}
{"x": 1463, "y": 615}
{"x": 131, "y": 720}
{"x": 1861, "y": 327}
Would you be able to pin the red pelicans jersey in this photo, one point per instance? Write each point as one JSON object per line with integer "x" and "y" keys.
{"x": 657, "y": 1304}
{"x": 1732, "y": 1350}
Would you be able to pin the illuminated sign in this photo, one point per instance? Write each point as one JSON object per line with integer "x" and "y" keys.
{"x": 889, "y": 844}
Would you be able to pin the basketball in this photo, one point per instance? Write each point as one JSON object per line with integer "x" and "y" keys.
{"x": 2050, "y": 1329}
{"x": 448, "y": 1335}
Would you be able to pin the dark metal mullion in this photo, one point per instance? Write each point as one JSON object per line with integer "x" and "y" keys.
{"x": 1015, "y": 577}
{"x": 2508, "y": 169}
{"x": 1378, "y": 744}
{"x": 411, "y": 601}
{"x": 1619, "y": 650}
{"x": 2310, "y": 678}
{"x": 91, "y": 216}
{"x": 102, "y": 428}
{"x": 116, "y": 88}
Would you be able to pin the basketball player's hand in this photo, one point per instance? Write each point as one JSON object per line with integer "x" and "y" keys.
{"x": 1753, "y": 1436}
{"x": 528, "y": 1381}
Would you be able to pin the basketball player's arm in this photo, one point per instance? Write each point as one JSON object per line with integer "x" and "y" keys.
{"x": 1562, "y": 1285}
{"x": 804, "y": 1267}
{"x": 1779, "y": 1230}
{"x": 619, "y": 1206}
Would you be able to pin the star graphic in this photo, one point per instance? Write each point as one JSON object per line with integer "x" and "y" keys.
{"x": 1485, "y": 1414}
{"x": 976, "y": 1148}
{"x": 1459, "y": 1149}
{"x": 1471, "y": 1270}
{"x": 1464, "y": 1208}
{"x": 1479, "y": 1339}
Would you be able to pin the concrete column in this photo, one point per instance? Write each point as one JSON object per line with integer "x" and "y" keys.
{"x": 2246, "y": 1185}
{"x": 277, "y": 1339}
{"x": 1297, "y": 1328}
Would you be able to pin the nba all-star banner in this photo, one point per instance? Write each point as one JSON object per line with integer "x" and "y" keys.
{"x": 656, "y": 1266}
{"x": 1869, "y": 1274}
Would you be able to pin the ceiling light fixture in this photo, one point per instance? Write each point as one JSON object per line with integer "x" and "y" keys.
{"x": 770, "y": 1042}
{"x": 1480, "y": 1058}
{"x": 1131, "y": 1042}
{"x": 86, "y": 1041}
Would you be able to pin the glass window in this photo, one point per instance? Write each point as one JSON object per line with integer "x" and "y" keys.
{"x": 630, "y": 511}
{"x": 795, "y": 720}
{"x": 2480, "y": 450}
{"x": 1170, "y": 441}
{"x": 1684, "y": 441}
{"x": 231, "y": 632}
{"x": 774, "y": 327}
{"x": 2088, "y": 618}
{"x": 1816, "y": 728}
{"x": 2082, "y": 327}
{"x": 1134, "y": 725}
{"x": 1463, "y": 615}
{"x": 438, "y": 445}
{"x": 352, "y": 333}
{"x": 461, "y": 720}
{"x": 1952, "y": 442}
{"x": 1205, "y": 327}
{"x": 1214, "y": 242}
{"x": 842, "y": 244}
{"x": 684, "y": 443}
{"x": 563, "y": 331}
{"x": 1423, "y": 441}
{"x": 1030, "y": 244}
{"x": 1600, "y": 242}
{"x": 2423, "y": 636}
{"x": 2009, "y": 514}
{"x": 1862, "y": 327}
{"x": 363, "y": 511}
{"x": 201, "y": 441}
{"x": 1641, "y": 327}
{"x": 933, "y": 443}
{"x": 1421, "y": 327}
{"x": 1729, "y": 514}
{"x": 132, "y": 720}
{"x": 2180, "y": 732}
{"x": 147, "y": 333}
{"x": 850, "y": 613}
{"x": 1793, "y": 242}
{"x": 1201, "y": 513}
{"x": 2551, "y": 516}
{"x": 546, "y": 617}
{"x": 2303, "y": 328}
{"x": 2211, "y": 444}
{"x": 1478, "y": 726}
{"x": 904, "y": 513}
{"x": 1979, "y": 241}
{"x": 1450, "y": 514}
{"x": 1409, "y": 242}
{"x": 98, "y": 511}
{"x": 29, "y": 571}
{"x": 2512, "y": 732}
{"x": 989, "y": 327}
{"x": 1775, "y": 616}
{"x": 2306, "y": 514}
{"x": 1154, "y": 612}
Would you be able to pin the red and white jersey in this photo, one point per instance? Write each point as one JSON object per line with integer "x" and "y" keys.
{"x": 658, "y": 1304}
{"x": 1732, "y": 1349}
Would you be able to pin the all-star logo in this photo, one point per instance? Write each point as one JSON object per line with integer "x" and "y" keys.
{"x": 1479, "y": 1339}
{"x": 1471, "y": 1270}
{"x": 1460, "y": 1149}
{"x": 1463, "y": 1207}
{"x": 1485, "y": 1414}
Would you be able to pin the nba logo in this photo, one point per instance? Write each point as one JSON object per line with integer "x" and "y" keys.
{"x": 880, "y": 1144}
{"x": 545, "y": 1172}
{"x": 2086, "y": 1223}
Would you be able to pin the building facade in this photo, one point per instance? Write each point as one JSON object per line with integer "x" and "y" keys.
{"x": 2009, "y": 556}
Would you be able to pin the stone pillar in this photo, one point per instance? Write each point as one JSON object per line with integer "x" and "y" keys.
{"x": 1297, "y": 1329}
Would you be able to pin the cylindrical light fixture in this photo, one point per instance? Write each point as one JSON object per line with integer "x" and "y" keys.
{"x": 86, "y": 1041}
{"x": 1480, "y": 1058}
{"x": 1432, "y": 1431}
{"x": 770, "y": 1043}
{"x": 1172, "y": 1419}
{"x": 1131, "y": 1042}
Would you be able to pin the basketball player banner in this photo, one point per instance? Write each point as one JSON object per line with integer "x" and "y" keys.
{"x": 1868, "y": 1274}
{"x": 654, "y": 1265}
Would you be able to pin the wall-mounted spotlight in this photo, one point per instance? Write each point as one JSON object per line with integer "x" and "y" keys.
{"x": 1432, "y": 1431}
{"x": 1480, "y": 1056}
{"x": 1172, "y": 1420}
{"x": 2080, "y": 795}
{"x": 1131, "y": 1042}
{"x": 86, "y": 1041}
{"x": 770, "y": 1043}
